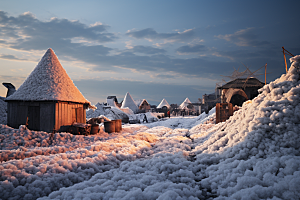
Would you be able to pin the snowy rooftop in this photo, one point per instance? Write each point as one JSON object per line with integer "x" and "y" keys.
{"x": 185, "y": 103}
{"x": 163, "y": 103}
{"x": 128, "y": 102}
{"x": 139, "y": 102}
{"x": 48, "y": 81}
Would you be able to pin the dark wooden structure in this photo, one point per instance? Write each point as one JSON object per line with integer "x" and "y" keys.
{"x": 144, "y": 106}
{"x": 223, "y": 111}
{"x": 45, "y": 115}
{"x": 249, "y": 86}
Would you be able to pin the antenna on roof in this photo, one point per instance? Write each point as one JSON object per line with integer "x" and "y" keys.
{"x": 288, "y": 53}
{"x": 250, "y": 75}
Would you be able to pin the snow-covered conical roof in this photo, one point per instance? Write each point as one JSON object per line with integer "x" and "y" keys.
{"x": 163, "y": 103}
{"x": 129, "y": 103}
{"x": 48, "y": 81}
{"x": 185, "y": 103}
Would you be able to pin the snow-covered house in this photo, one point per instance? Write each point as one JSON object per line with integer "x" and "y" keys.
{"x": 163, "y": 103}
{"x": 48, "y": 98}
{"x": 128, "y": 102}
{"x": 187, "y": 105}
{"x": 143, "y": 105}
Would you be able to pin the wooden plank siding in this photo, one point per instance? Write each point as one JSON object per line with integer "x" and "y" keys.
{"x": 17, "y": 114}
{"x": 34, "y": 117}
{"x": 46, "y": 115}
{"x": 67, "y": 113}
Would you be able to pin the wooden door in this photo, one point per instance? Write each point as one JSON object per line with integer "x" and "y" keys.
{"x": 34, "y": 118}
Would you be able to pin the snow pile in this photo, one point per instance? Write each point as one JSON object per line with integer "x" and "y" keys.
{"x": 48, "y": 81}
{"x": 3, "y": 112}
{"x": 256, "y": 153}
{"x": 127, "y": 110}
{"x": 111, "y": 113}
{"x": 125, "y": 114}
{"x": 151, "y": 117}
{"x": 97, "y": 112}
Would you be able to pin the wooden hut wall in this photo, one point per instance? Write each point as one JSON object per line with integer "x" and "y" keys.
{"x": 47, "y": 119}
{"x": 40, "y": 115}
{"x": 66, "y": 113}
{"x": 16, "y": 114}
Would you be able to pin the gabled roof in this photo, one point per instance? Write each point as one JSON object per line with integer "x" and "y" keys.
{"x": 242, "y": 82}
{"x": 140, "y": 102}
{"x": 48, "y": 81}
{"x": 129, "y": 103}
{"x": 185, "y": 103}
{"x": 163, "y": 103}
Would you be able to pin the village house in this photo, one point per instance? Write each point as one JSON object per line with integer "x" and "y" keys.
{"x": 209, "y": 101}
{"x": 48, "y": 98}
{"x": 143, "y": 105}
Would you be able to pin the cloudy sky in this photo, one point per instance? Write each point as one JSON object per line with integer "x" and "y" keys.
{"x": 152, "y": 49}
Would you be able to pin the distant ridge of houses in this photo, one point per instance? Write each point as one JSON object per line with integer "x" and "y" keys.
{"x": 48, "y": 98}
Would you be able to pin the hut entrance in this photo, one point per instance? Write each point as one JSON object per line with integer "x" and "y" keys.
{"x": 236, "y": 96}
{"x": 238, "y": 99}
{"x": 34, "y": 117}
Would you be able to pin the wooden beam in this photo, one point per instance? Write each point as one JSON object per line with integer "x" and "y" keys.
{"x": 266, "y": 74}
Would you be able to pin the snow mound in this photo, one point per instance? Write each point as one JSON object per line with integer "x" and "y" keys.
{"x": 251, "y": 153}
{"x": 111, "y": 113}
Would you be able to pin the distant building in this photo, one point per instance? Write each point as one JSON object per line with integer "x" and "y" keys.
{"x": 187, "y": 107}
{"x": 197, "y": 107}
{"x": 143, "y": 105}
{"x": 48, "y": 98}
{"x": 162, "y": 104}
{"x": 128, "y": 102}
{"x": 163, "y": 107}
{"x": 209, "y": 101}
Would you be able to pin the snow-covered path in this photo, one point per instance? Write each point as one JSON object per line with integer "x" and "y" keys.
{"x": 36, "y": 165}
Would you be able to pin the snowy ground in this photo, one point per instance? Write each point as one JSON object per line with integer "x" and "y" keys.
{"x": 255, "y": 154}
